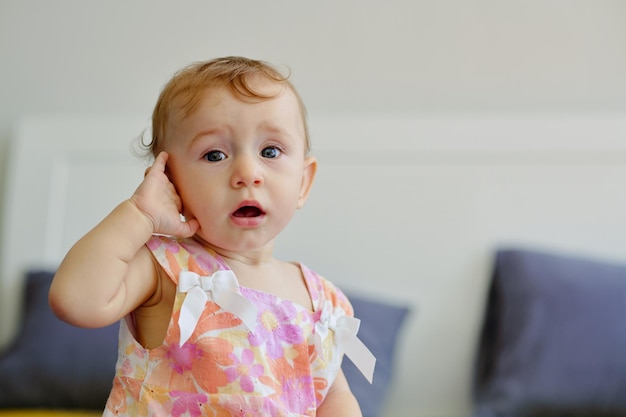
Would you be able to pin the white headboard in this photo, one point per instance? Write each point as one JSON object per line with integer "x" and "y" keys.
{"x": 63, "y": 174}
{"x": 408, "y": 208}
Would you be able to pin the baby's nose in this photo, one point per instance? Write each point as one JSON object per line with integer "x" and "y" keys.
{"x": 246, "y": 172}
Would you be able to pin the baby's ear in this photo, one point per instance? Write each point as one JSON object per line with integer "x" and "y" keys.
{"x": 308, "y": 175}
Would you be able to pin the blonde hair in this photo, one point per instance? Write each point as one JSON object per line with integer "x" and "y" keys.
{"x": 188, "y": 86}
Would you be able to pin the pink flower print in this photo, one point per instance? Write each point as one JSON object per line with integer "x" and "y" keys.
{"x": 245, "y": 370}
{"x": 298, "y": 394}
{"x": 182, "y": 357}
{"x": 275, "y": 327}
{"x": 193, "y": 366}
{"x": 157, "y": 241}
{"x": 154, "y": 243}
{"x": 186, "y": 402}
{"x": 127, "y": 367}
{"x": 269, "y": 408}
{"x": 204, "y": 258}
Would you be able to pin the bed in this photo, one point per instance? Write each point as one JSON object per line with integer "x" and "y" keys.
{"x": 425, "y": 220}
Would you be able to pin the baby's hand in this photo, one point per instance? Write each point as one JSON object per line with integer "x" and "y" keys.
{"x": 157, "y": 199}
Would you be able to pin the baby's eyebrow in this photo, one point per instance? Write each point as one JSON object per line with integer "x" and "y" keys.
{"x": 270, "y": 127}
{"x": 207, "y": 132}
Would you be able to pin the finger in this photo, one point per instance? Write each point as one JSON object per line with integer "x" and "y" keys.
{"x": 177, "y": 200}
{"x": 160, "y": 161}
{"x": 188, "y": 228}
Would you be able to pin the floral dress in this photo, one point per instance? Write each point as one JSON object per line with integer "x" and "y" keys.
{"x": 231, "y": 350}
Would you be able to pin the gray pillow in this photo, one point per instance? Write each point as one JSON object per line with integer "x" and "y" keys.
{"x": 381, "y": 323}
{"x": 52, "y": 364}
{"x": 554, "y": 337}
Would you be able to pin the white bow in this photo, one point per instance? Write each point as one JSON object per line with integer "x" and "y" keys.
{"x": 345, "y": 329}
{"x": 224, "y": 290}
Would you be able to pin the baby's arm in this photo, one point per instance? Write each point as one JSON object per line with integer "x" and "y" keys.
{"x": 339, "y": 401}
{"x": 109, "y": 272}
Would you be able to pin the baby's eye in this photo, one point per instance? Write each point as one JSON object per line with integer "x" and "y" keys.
{"x": 270, "y": 152}
{"x": 214, "y": 156}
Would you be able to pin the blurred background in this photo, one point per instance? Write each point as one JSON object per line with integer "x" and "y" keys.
{"x": 86, "y": 56}
{"x": 349, "y": 60}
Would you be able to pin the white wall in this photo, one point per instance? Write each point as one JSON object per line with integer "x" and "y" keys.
{"x": 87, "y": 56}
{"x": 347, "y": 56}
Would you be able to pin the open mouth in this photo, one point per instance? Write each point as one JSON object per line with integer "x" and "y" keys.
{"x": 248, "y": 211}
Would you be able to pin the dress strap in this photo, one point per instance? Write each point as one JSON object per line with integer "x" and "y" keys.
{"x": 345, "y": 329}
{"x": 202, "y": 277}
{"x": 170, "y": 255}
{"x": 175, "y": 255}
{"x": 222, "y": 288}
{"x": 336, "y": 317}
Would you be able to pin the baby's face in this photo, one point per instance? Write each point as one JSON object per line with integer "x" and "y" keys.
{"x": 240, "y": 167}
